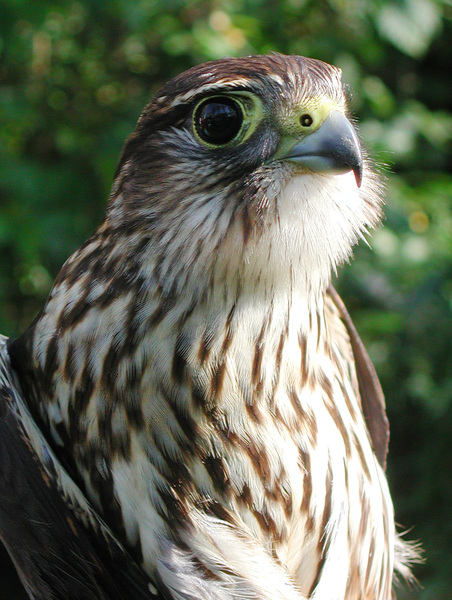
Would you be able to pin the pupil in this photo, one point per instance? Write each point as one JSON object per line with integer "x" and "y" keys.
{"x": 306, "y": 120}
{"x": 219, "y": 121}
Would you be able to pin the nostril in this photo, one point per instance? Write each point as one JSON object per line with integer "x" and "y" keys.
{"x": 306, "y": 120}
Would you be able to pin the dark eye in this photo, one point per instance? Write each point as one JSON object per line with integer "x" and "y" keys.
{"x": 218, "y": 120}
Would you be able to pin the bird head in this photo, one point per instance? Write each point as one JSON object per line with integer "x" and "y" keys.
{"x": 247, "y": 173}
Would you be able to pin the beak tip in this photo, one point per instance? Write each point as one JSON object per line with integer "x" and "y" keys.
{"x": 358, "y": 172}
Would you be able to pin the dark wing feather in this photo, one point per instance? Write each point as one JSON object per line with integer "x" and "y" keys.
{"x": 62, "y": 550}
{"x": 372, "y": 398}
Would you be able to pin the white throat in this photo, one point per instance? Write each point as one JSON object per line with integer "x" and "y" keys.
{"x": 312, "y": 224}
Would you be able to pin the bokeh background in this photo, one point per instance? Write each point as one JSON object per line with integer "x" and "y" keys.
{"x": 74, "y": 77}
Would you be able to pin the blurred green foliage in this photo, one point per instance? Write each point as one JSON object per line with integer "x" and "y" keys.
{"x": 74, "y": 77}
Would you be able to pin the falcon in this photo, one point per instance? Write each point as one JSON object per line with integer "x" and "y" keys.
{"x": 192, "y": 414}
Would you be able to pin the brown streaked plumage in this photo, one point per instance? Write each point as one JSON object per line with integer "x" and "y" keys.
{"x": 194, "y": 372}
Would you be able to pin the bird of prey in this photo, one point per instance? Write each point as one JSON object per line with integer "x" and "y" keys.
{"x": 192, "y": 414}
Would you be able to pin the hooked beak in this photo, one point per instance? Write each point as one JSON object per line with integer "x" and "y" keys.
{"x": 333, "y": 148}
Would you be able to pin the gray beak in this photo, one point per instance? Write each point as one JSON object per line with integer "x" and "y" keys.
{"x": 333, "y": 148}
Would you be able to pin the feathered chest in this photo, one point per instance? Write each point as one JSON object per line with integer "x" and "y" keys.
{"x": 247, "y": 419}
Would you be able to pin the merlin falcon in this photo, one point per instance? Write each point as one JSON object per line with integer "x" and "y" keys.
{"x": 192, "y": 414}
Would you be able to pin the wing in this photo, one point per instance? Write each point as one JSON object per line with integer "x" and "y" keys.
{"x": 372, "y": 398}
{"x": 61, "y": 548}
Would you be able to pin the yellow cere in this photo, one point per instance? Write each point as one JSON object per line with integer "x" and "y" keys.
{"x": 289, "y": 119}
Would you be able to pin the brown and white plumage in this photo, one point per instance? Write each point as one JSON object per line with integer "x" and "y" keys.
{"x": 192, "y": 368}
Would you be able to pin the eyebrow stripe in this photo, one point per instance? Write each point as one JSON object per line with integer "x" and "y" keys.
{"x": 222, "y": 85}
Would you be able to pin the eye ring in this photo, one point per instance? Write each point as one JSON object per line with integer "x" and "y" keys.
{"x": 306, "y": 120}
{"x": 218, "y": 120}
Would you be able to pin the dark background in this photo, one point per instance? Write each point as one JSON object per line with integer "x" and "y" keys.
{"x": 73, "y": 79}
